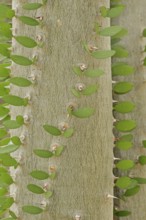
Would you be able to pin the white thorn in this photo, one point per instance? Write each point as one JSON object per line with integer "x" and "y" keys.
{"x": 77, "y": 217}
{"x": 111, "y": 196}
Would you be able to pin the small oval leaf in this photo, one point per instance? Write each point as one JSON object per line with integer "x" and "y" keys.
{"x": 40, "y": 175}
{"x": 132, "y": 191}
{"x": 123, "y": 182}
{"x": 83, "y": 112}
{"x": 89, "y": 90}
{"x": 125, "y": 125}
{"x": 124, "y": 107}
{"x": 68, "y": 133}
{"x": 43, "y": 153}
{"x": 28, "y": 20}
{"x": 20, "y": 81}
{"x": 124, "y": 145}
{"x": 110, "y": 31}
{"x": 35, "y": 189}
{"x": 123, "y": 87}
{"x": 122, "y": 213}
{"x": 125, "y": 164}
{"x": 8, "y": 149}
{"x": 21, "y": 60}
{"x": 34, "y": 210}
{"x": 93, "y": 73}
{"x": 103, "y": 54}
{"x": 14, "y": 100}
{"x": 142, "y": 160}
{"x": 31, "y": 6}
{"x": 115, "y": 11}
{"x": 52, "y": 130}
{"x": 26, "y": 41}
{"x": 122, "y": 69}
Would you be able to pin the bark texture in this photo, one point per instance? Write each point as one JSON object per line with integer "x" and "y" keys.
{"x": 84, "y": 174}
{"x": 133, "y": 19}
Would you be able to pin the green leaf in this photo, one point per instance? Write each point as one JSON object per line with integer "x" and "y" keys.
{"x": 43, "y": 153}
{"x": 32, "y": 6}
{"x": 52, "y": 130}
{"x": 123, "y": 182}
{"x": 122, "y": 69}
{"x": 103, "y": 54}
{"x": 6, "y": 178}
{"x": 121, "y": 34}
{"x": 89, "y": 90}
{"x": 4, "y": 72}
{"x": 68, "y": 133}
{"x": 14, "y": 100}
{"x": 40, "y": 175}
{"x": 6, "y": 203}
{"x": 3, "y": 111}
{"x": 103, "y": 11}
{"x": 77, "y": 70}
{"x": 21, "y": 60}
{"x": 34, "y": 210}
{"x": 110, "y": 31}
{"x": 123, "y": 87}
{"x": 125, "y": 125}
{"x": 35, "y": 189}
{"x": 124, "y": 145}
{"x": 93, "y": 73}
{"x": 4, "y": 50}
{"x": 7, "y": 160}
{"x": 16, "y": 140}
{"x": 3, "y": 191}
{"x": 3, "y": 132}
{"x": 144, "y": 143}
{"x": 83, "y": 112}
{"x": 121, "y": 52}
{"x": 58, "y": 151}
{"x": 8, "y": 149}
{"x": 124, "y": 107}
{"x": 122, "y": 213}
{"x": 76, "y": 93}
{"x": 26, "y": 41}
{"x": 13, "y": 215}
{"x": 115, "y": 11}
{"x": 28, "y": 20}
{"x": 144, "y": 33}
{"x": 20, "y": 81}
{"x": 48, "y": 194}
{"x": 126, "y": 137}
{"x": 140, "y": 180}
{"x": 5, "y": 141}
{"x": 6, "y": 12}
{"x": 11, "y": 124}
{"x": 20, "y": 119}
{"x": 132, "y": 191}
{"x": 142, "y": 160}
{"x": 125, "y": 164}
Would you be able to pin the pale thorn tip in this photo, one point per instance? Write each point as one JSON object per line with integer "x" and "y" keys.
{"x": 77, "y": 217}
{"x": 111, "y": 196}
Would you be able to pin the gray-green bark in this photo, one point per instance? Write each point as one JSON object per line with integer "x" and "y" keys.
{"x": 84, "y": 171}
{"x": 133, "y": 19}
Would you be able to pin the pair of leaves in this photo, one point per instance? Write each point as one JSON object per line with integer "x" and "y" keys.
{"x": 89, "y": 73}
{"x": 57, "y": 132}
{"x": 14, "y": 124}
{"x": 112, "y": 12}
{"x": 89, "y": 90}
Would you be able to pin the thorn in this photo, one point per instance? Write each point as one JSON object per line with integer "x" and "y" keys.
{"x": 83, "y": 66}
{"x": 111, "y": 196}
{"x": 77, "y": 217}
{"x": 115, "y": 158}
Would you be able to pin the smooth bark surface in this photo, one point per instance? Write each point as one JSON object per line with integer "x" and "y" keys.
{"x": 84, "y": 170}
{"x": 133, "y": 19}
